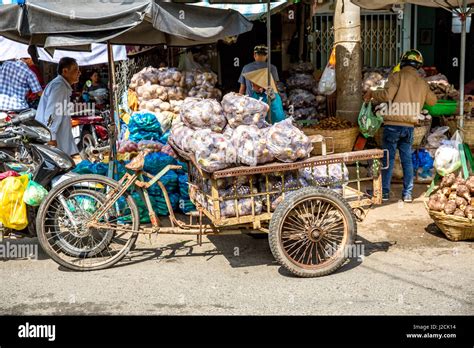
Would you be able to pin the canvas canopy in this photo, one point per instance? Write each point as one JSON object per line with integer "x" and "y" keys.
{"x": 75, "y": 24}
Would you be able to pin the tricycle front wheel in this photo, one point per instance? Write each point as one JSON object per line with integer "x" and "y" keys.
{"x": 311, "y": 232}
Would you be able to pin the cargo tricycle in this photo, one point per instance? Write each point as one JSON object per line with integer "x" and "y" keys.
{"x": 91, "y": 222}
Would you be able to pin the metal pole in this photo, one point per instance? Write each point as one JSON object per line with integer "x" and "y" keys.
{"x": 112, "y": 126}
{"x": 269, "y": 60}
{"x": 415, "y": 29}
{"x": 463, "y": 64}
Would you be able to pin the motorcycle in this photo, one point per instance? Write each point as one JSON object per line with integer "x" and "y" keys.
{"x": 89, "y": 128}
{"x": 23, "y": 148}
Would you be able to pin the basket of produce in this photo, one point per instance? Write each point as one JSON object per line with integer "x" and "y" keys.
{"x": 468, "y": 134}
{"x": 343, "y": 133}
{"x": 452, "y": 207}
{"x": 442, "y": 107}
{"x": 419, "y": 134}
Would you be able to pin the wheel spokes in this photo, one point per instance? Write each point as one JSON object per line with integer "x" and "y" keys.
{"x": 312, "y": 233}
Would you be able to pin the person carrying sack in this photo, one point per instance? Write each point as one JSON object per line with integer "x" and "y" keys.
{"x": 406, "y": 93}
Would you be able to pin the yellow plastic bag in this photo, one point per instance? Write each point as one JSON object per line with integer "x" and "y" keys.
{"x": 12, "y": 208}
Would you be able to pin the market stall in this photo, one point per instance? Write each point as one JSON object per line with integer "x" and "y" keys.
{"x": 450, "y": 194}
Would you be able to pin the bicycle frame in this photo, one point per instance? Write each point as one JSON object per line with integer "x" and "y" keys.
{"x": 141, "y": 187}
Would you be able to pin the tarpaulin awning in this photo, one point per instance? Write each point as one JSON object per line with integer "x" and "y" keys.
{"x": 72, "y": 23}
{"x": 250, "y": 11}
{"x": 98, "y": 55}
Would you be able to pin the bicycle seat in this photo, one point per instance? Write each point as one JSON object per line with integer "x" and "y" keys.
{"x": 138, "y": 162}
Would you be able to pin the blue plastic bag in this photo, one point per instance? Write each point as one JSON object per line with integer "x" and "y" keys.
{"x": 140, "y": 135}
{"x": 184, "y": 169}
{"x": 164, "y": 138}
{"x": 156, "y": 161}
{"x": 144, "y": 121}
{"x": 169, "y": 180}
{"x": 423, "y": 164}
{"x": 185, "y": 204}
{"x": 87, "y": 167}
{"x": 159, "y": 204}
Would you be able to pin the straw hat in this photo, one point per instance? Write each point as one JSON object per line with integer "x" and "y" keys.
{"x": 260, "y": 78}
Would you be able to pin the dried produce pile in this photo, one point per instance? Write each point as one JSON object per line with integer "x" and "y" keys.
{"x": 202, "y": 84}
{"x": 455, "y": 196}
{"x": 163, "y": 90}
{"x": 243, "y": 110}
{"x": 373, "y": 78}
{"x": 159, "y": 90}
{"x": 246, "y": 140}
{"x": 334, "y": 123}
{"x": 303, "y": 100}
{"x": 442, "y": 88}
{"x": 203, "y": 113}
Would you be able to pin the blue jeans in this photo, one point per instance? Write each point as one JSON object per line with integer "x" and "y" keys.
{"x": 401, "y": 138}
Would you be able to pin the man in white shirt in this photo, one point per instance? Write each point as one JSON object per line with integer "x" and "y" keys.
{"x": 53, "y": 108}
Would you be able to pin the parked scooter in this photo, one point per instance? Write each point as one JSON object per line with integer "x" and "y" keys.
{"x": 23, "y": 148}
{"x": 89, "y": 128}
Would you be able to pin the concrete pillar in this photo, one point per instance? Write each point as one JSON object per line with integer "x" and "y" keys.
{"x": 348, "y": 59}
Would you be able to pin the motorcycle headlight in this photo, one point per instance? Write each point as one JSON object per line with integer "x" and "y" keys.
{"x": 62, "y": 159}
{"x": 43, "y": 133}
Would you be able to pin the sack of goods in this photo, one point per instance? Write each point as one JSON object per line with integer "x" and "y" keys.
{"x": 243, "y": 110}
{"x": 181, "y": 136}
{"x": 263, "y": 153}
{"x": 216, "y": 152}
{"x": 203, "y": 113}
{"x": 144, "y": 125}
{"x": 301, "y": 98}
{"x": 168, "y": 77}
{"x": 301, "y": 68}
{"x": 303, "y": 81}
{"x": 287, "y": 143}
{"x": 245, "y": 140}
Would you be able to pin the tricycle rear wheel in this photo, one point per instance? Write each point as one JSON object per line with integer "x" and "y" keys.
{"x": 311, "y": 232}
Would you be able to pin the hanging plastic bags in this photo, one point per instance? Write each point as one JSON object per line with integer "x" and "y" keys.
{"x": 34, "y": 194}
{"x": 13, "y": 212}
{"x": 369, "y": 123}
{"x": 327, "y": 83}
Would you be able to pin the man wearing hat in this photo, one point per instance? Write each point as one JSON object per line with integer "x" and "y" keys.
{"x": 260, "y": 54}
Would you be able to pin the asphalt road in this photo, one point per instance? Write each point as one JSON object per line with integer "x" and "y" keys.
{"x": 408, "y": 267}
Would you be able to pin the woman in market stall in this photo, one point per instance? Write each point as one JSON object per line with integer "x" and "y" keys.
{"x": 259, "y": 78}
{"x": 92, "y": 86}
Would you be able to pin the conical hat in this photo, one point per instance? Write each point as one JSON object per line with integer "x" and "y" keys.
{"x": 260, "y": 78}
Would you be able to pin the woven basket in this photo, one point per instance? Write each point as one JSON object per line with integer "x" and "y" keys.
{"x": 419, "y": 134}
{"x": 455, "y": 228}
{"x": 452, "y": 123}
{"x": 344, "y": 139}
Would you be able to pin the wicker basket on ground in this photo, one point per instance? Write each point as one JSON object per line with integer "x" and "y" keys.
{"x": 419, "y": 135}
{"x": 452, "y": 123}
{"x": 454, "y": 227}
{"x": 344, "y": 139}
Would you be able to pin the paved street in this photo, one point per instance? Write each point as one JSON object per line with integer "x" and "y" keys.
{"x": 408, "y": 268}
